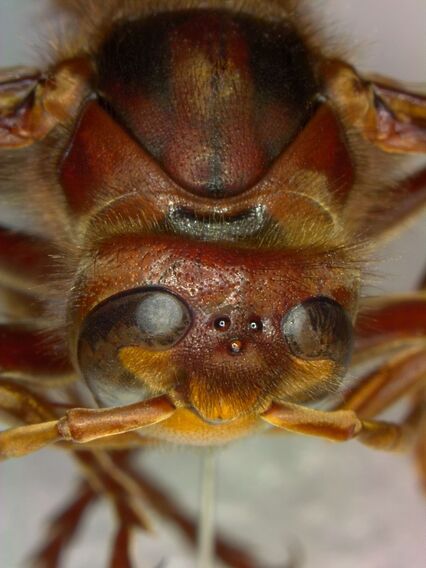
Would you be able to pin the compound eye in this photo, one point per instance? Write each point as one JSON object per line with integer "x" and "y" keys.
{"x": 154, "y": 319}
{"x": 319, "y": 328}
{"x": 151, "y": 319}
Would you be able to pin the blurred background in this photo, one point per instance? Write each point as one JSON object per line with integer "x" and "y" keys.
{"x": 343, "y": 506}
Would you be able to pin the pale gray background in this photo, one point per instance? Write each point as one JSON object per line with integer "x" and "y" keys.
{"x": 347, "y": 506}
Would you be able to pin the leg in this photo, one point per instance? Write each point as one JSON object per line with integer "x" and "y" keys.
{"x": 120, "y": 442}
{"x": 390, "y": 323}
{"x": 422, "y": 283}
{"x": 81, "y": 425}
{"x": 32, "y": 103}
{"x": 38, "y": 413}
{"x": 17, "y": 401}
{"x": 20, "y": 308}
{"x": 25, "y": 261}
{"x": 403, "y": 375}
{"x": 343, "y": 425}
{"x": 420, "y": 448}
{"x": 31, "y": 355}
{"x": 391, "y": 119}
{"x": 393, "y": 323}
{"x": 20, "y": 403}
{"x": 137, "y": 485}
{"x": 122, "y": 494}
{"x": 111, "y": 476}
{"x": 120, "y": 557}
{"x": 398, "y": 377}
{"x": 165, "y": 506}
{"x": 63, "y": 528}
{"x": 405, "y": 201}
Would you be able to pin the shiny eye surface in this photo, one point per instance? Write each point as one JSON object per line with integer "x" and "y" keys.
{"x": 154, "y": 319}
{"x": 318, "y": 328}
{"x": 162, "y": 318}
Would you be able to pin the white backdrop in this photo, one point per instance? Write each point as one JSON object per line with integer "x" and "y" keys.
{"x": 347, "y": 507}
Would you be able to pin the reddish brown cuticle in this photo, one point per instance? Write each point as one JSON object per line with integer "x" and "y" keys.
{"x": 206, "y": 99}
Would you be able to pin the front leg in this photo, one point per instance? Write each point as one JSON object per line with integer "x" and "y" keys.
{"x": 400, "y": 376}
{"x": 32, "y": 103}
{"x": 390, "y": 323}
{"x": 82, "y": 425}
{"x": 387, "y": 116}
{"x": 63, "y": 528}
{"x": 343, "y": 425}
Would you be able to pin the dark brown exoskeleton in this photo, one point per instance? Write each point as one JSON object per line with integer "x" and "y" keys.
{"x": 189, "y": 197}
